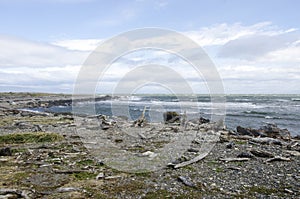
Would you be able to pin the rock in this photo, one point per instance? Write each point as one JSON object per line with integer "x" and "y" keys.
{"x": 171, "y": 117}
{"x": 150, "y": 154}
{"x": 5, "y": 152}
{"x": 186, "y": 181}
{"x": 67, "y": 189}
{"x": 100, "y": 176}
{"x": 245, "y": 155}
{"x": 297, "y": 137}
{"x": 112, "y": 177}
{"x": 263, "y": 154}
{"x": 294, "y": 153}
{"x": 9, "y": 196}
{"x": 248, "y": 131}
{"x": 193, "y": 150}
{"x": 230, "y": 145}
{"x": 271, "y": 130}
{"x": 203, "y": 120}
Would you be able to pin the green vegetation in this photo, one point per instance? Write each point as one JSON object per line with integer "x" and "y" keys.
{"x": 160, "y": 194}
{"x": 85, "y": 162}
{"x": 31, "y": 137}
{"x": 263, "y": 190}
{"x": 84, "y": 175}
{"x": 240, "y": 142}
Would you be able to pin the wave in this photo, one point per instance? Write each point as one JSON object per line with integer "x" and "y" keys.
{"x": 296, "y": 99}
{"x": 256, "y": 112}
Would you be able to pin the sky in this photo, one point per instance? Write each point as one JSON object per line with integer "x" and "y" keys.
{"x": 255, "y": 45}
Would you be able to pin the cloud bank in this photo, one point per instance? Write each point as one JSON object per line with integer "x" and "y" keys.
{"x": 260, "y": 58}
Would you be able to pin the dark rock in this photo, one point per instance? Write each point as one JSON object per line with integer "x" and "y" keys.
{"x": 245, "y": 155}
{"x": 271, "y": 130}
{"x": 297, "y": 137}
{"x": 248, "y": 131}
{"x": 193, "y": 150}
{"x": 5, "y": 152}
{"x": 203, "y": 120}
{"x": 186, "y": 181}
{"x": 171, "y": 117}
{"x": 27, "y": 114}
{"x": 230, "y": 145}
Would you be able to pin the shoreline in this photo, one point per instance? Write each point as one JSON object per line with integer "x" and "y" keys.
{"x": 239, "y": 165}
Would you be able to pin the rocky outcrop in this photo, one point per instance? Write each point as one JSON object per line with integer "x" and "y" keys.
{"x": 270, "y": 130}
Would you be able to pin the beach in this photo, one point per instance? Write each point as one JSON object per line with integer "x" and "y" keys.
{"x": 48, "y": 154}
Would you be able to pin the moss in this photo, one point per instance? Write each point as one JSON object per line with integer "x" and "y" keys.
{"x": 19, "y": 150}
{"x": 263, "y": 190}
{"x": 7, "y": 121}
{"x": 143, "y": 174}
{"x": 240, "y": 142}
{"x": 84, "y": 175}
{"x": 32, "y": 137}
{"x": 85, "y": 162}
{"x": 159, "y": 194}
{"x": 219, "y": 170}
{"x": 212, "y": 163}
{"x": 132, "y": 187}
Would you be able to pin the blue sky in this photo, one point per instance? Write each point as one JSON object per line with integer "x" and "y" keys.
{"x": 254, "y": 44}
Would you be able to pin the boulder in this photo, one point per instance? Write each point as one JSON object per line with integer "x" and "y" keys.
{"x": 202, "y": 120}
{"x": 272, "y": 131}
{"x": 249, "y": 131}
{"x": 171, "y": 117}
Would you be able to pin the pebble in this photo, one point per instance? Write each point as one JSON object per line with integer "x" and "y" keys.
{"x": 186, "y": 181}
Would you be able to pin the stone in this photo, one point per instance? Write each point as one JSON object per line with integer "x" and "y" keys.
{"x": 245, "y": 155}
{"x": 230, "y": 145}
{"x": 202, "y": 120}
{"x": 271, "y": 130}
{"x": 186, "y": 181}
{"x": 171, "y": 117}
{"x": 5, "y": 151}
{"x": 248, "y": 131}
{"x": 67, "y": 189}
{"x": 100, "y": 176}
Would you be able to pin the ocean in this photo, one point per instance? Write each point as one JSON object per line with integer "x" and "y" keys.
{"x": 241, "y": 110}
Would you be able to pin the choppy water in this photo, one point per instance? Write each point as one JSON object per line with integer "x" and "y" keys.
{"x": 244, "y": 110}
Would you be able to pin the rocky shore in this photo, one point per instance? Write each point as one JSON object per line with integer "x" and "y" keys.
{"x": 45, "y": 155}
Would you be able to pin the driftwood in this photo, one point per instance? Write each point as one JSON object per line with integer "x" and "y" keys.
{"x": 234, "y": 159}
{"x": 294, "y": 153}
{"x": 13, "y": 193}
{"x": 278, "y": 158}
{"x": 196, "y": 159}
{"x": 141, "y": 121}
{"x": 267, "y": 140}
{"x": 263, "y": 154}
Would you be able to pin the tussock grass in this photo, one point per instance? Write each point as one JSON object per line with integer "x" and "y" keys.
{"x": 31, "y": 137}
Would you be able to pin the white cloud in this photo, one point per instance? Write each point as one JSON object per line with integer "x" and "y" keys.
{"x": 15, "y": 52}
{"x": 220, "y": 34}
{"x": 79, "y": 44}
{"x": 260, "y": 58}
